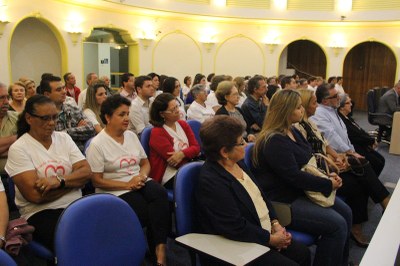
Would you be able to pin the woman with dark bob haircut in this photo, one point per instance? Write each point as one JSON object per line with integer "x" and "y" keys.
{"x": 230, "y": 202}
{"x": 172, "y": 85}
{"x": 120, "y": 167}
{"x": 172, "y": 142}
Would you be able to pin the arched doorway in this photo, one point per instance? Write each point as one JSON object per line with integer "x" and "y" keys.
{"x": 368, "y": 65}
{"x": 303, "y": 57}
{"x": 36, "y": 47}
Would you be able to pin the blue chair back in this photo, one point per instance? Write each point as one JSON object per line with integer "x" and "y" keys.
{"x": 248, "y": 155}
{"x": 36, "y": 248}
{"x": 6, "y": 260}
{"x": 87, "y": 145}
{"x": 145, "y": 139}
{"x": 99, "y": 229}
{"x": 195, "y": 126}
{"x": 186, "y": 180}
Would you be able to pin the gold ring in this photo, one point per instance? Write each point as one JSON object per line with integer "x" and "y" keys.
{"x": 42, "y": 187}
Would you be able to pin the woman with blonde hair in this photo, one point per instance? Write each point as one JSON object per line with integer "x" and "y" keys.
{"x": 96, "y": 95}
{"x": 279, "y": 154}
{"x": 16, "y": 91}
{"x": 240, "y": 85}
{"x": 30, "y": 88}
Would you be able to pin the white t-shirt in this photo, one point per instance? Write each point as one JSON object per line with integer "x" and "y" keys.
{"x": 339, "y": 89}
{"x": 181, "y": 142}
{"x": 212, "y": 101}
{"x": 185, "y": 91}
{"x": 242, "y": 98}
{"x": 198, "y": 112}
{"x": 139, "y": 114}
{"x": 182, "y": 112}
{"x": 82, "y": 99}
{"x": 116, "y": 161}
{"x": 91, "y": 116}
{"x": 1, "y": 186}
{"x": 28, "y": 154}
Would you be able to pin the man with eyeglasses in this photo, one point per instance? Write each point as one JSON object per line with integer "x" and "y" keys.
{"x": 328, "y": 121}
{"x": 70, "y": 119}
{"x": 8, "y": 126}
{"x": 139, "y": 109}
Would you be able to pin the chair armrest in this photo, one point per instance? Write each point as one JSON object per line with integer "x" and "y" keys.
{"x": 233, "y": 252}
{"x": 284, "y": 212}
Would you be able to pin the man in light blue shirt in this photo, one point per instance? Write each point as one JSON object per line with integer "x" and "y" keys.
{"x": 328, "y": 121}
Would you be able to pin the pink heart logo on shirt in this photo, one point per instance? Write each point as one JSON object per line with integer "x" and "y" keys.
{"x": 56, "y": 170}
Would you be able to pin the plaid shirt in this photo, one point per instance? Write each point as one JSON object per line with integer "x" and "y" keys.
{"x": 68, "y": 121}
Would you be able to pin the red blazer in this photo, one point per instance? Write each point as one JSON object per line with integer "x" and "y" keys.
{"x": 161, "y": 143}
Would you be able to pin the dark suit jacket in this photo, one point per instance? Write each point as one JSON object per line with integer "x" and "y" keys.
{"x": 225, "y": 208}
{"x": 389, "y": 102}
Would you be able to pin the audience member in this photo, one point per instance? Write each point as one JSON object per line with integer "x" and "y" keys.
{"x": 139, "y": 109}
{"x": 228, "y": 97}
{"x": 332, "y": 80}
{"x": 390, "y": 102}
{"x": 4, "y": 215}
{"x": 120, "y": 167}
{"x": 70, "y": 86}
{"x": 312, "y": 83}
{"x": 106, "y": 80}
{"x": 155, "y": 78}
{"x": 128, "y": 86}
{"x": 198, "y": 79}
{"x": 172, "y": 85}
{"x": 255, "y": 106}
{"x": 47, "y": 168}
{"x": 230, "y": 203}
{"x": 303, "y": 84}
{"x": 30, "y": 88}
{"x": 288, "y": 83}
{"x": 212, "y": 101}
{"x": 8, "y": 126}
{"x": 338, "y": 85}
{"x": 187, "y": 81}
{"x": 95, "y": 96}
{"x": 209, "y": 80}
{"x": 279, "y": 154}
{"x": 16, "y": 91}
{"x": 364, "y": 144}
{"x": 90, "y": 79}
{"x": 172, "y": 142}
{"x": 240, "y": 85}
{"x": 198, "y": 110}
{"x": 70, "y": 118}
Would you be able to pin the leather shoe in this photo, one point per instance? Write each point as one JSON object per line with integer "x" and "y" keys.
{"x": 360, "y": 240}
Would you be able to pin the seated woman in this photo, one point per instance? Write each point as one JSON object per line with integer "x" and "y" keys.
{"x": 363, "y": 143}
{"x": 198, "y": 79}
{"x": 279, "y": 154}
{"x": 229, "y": 201}
{"x": 30, "y": 88}
{"x": 172, "y": 85}
{"x": 240, "y": 84}
{"x": 95, "y": 96}
{"x": 198, "y": 110}
{"x": 47, "y": 168}
{"x": 120, "y": 167}
{"x": 172, "y": 142}
{"x": 228, "y": 96}
{"x": 356, "y": 189}
{"x": 16, "y": 91}
{"x": 3, "y": 215}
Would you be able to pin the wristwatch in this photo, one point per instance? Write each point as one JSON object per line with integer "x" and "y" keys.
{"x": 61, "y": 179}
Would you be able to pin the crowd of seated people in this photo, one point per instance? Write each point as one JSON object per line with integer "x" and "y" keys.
{"x": 42, "y": 150}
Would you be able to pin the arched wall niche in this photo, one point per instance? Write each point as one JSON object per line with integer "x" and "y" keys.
{"x": 36, "y": 46}
{"x": 250, "y": 60}
{"x": 186, "y": 59}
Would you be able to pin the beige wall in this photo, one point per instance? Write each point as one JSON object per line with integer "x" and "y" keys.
{"x": 177, "y": 51}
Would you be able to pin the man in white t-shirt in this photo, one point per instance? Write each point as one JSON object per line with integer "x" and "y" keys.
{"x": 140, "y": 107}
{"x": 90, "y": 79}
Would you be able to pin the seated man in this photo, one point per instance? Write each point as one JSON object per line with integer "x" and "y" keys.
{"x": 255, "y": 106}
{"x": 71, "y": 119}
{"x": 390, "y": 102}
{"x": 8, "y": 127}
{"x": 139, "y": 109}
{"x": 90, "y": 79}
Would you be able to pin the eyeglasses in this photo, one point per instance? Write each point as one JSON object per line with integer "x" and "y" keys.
{"x": 333, "y": 96}
{"x": 46, "y": 118}
{"x": 174, "y": 110}
{"x": 3, "y": 97}
{"x": 347, "y": 103}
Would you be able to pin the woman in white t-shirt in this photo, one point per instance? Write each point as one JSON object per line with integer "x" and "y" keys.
{"x": 47, "y": 168}
{"x": 120, "y": 167}
{"x": 198, "y": 110}
{"x": 172, "y": 85}
{"x": 95, "y": 96}
{"x": 3, "y": 215}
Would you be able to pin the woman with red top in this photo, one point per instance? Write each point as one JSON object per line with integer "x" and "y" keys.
{"x": 172, "y": 142}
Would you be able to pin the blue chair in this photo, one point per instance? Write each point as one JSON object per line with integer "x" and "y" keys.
{"x": 36, "y": 248}
{"x": 283, "y": 211}
{"x": 87, "y": 146}
{"x": 99, "y": 229}
{"x": 6, "y": 260}
{"x": 195, "y": 126}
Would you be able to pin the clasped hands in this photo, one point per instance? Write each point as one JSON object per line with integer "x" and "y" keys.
{"x": 336, "y": 181}
{"x": 175, "y": 158}
{"x": 279, "y": 238}
{"x": 45, "y": 184}
{"x": 137, "y": 182}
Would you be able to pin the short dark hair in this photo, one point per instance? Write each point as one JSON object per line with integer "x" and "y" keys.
{"x": 169, "y": 85}
{"x": 152, "y": 75}
{"x": 198, "y": 78}
{"x": 125, "y": 78}
{"x": 159, "y": 104}
{"x": 45, "y": 84}
{"x": 302, "y": 80}
{"x": 323, "y": 91}
{"x": 139, "y": 81}
{"x": 65, "y": 77}
{"x": 210, "y": 77}
{"x": 218, "y": 132}
{"x": 109, "y": 106}
{"x": 254, "y": 83}
{"x": 331, "y": 78}
{"x": 311, "y": 79}
{"x": 185, "y": 80}
{"x": 285, "y": 80}
{"x": 216, "y": 80}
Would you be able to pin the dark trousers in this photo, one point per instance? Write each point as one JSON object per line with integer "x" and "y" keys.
{"x": 150, "y": 204}
{"x": 376, "y": 160}
{"x": 45, "y": 223}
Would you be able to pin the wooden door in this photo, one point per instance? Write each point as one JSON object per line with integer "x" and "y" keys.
{"x": 368, "y": 65}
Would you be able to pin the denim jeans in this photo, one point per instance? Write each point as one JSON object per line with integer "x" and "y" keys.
{"x": 332, "y": 224}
